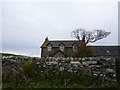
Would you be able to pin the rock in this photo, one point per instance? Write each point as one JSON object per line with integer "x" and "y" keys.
{"x": 83, "y": 59}
{"x": 61, "y": 69}
{"x": 95, "y": 74}
{"x": 37, "y": 63}
{"x": 109, "y": 70}
{"x": 69, "y": 70}
{"x": 12, "y": 60}
{"x": 60, "y": 64}
{"x": 57, "y": 59}
{"x": 71, "y": 58}
{"x": 75, "y": 62}
{"x": 52, "y": 63}
{"x": 85, "y": 64}
{"x": 91, "y": 62}
{"x": 90, "y": 58}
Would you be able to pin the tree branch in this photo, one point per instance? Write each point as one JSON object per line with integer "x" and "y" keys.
{"x": 88, "y": 36}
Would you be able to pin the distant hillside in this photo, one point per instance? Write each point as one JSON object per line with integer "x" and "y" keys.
{"x": 8, "y": 54}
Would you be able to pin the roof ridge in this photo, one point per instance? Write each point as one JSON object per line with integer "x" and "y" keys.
{"x": 63, "y": 40}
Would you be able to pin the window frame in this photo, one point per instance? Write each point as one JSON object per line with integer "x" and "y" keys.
{"x": 62, "y": 47}
{"x": 74, "y": 47}
{"x": 49, "y": 47}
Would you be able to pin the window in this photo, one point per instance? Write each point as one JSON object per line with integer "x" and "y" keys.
{"x": 62, "y": 47}
{"x": 49, "y": 47}
{"x": 74, "y": 47}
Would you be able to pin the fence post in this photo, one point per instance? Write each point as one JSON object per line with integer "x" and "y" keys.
{"x": 118, "y": 70}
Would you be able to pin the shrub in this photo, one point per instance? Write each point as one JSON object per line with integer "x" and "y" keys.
{"x": 28, "y": 68}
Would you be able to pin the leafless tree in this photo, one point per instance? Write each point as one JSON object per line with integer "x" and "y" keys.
{"x": 89, "y": 36}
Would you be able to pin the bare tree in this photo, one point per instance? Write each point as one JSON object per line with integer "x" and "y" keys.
{"x": 88, "y": 37}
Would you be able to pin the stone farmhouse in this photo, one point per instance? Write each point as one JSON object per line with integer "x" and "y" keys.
{"x": 68, "y": 48}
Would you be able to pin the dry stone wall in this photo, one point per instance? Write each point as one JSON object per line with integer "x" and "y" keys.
{"x": 100, "y": 67}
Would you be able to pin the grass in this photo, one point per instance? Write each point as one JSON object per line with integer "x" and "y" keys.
{"x": 56, "y": 80}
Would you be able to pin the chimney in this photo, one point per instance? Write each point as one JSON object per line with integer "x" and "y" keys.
{"x": 46, "y": 39}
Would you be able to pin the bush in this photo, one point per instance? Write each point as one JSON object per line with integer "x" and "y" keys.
{"x": 28, "y": 68}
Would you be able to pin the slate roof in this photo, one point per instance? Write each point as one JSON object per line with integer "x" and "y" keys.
{"x": 97, "y": 50}
{"x": 66, "y": 43}
{"x": 105, "y": 50}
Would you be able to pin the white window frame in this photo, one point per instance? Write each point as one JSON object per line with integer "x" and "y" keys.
{"x": 49, "y": 47}
{"x": 74, "y": 47}
{"x": 62, "y": 47}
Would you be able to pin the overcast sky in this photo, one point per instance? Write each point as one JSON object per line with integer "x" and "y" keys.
{"x": 25, "y": 24}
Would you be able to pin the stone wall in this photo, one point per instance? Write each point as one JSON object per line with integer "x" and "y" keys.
{"x": 100, "y": 67}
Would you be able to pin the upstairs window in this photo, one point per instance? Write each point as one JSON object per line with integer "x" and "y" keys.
{"x": 49, "y": 47}
{"x": 74, "y": 47}
{"x": 62, "y": 47}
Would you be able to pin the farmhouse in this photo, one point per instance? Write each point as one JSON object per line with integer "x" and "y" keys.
{"x": 68, "y": 48}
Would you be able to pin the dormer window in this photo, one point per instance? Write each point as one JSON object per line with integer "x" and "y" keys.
{"x": 62, "y": 47}
{"x": 74, "y": 47}
{"x": 49, "y": 47}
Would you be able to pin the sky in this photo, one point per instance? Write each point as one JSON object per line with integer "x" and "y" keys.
{"x": 25, "y": 24}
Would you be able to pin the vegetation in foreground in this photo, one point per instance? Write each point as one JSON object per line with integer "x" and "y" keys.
{"x": 27, "y": 76}
{"x": 54, "y": 79}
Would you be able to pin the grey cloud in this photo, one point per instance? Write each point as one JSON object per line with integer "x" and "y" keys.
{"x": 25, "y": 25}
